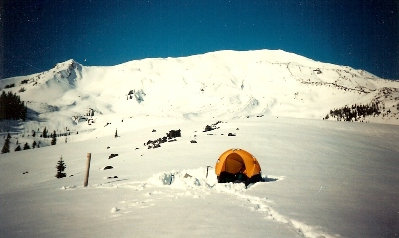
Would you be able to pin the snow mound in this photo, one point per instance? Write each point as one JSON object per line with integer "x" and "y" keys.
{"x": 201, "y": 179}
{"x": 185, "y": 179}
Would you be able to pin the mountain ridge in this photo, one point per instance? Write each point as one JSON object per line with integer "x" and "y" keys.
{"x": 223, "y": 84}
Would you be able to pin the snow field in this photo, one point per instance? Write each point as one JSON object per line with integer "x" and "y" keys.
{"x": 325, "y": 179}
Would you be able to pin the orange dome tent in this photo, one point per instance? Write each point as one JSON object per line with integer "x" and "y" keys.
{"x": 237, "y": 165}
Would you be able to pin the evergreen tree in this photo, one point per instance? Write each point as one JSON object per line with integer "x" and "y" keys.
{"x": 11, "y": 107}
{"x": 26, "y": 146}
{"x": 6, "y": 146}
{"x": 18, "y": 148}
{"x": 60, "y": 169}
{"x": 45, "y": 132}
{"x": 54, "y": 138}
{"x": 34, "y": 144}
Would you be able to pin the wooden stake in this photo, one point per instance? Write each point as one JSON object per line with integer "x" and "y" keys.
{"x": 207, "y": 167}
{"x": 86, "y": 182}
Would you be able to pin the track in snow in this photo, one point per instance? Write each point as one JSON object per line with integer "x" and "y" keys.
{"x": 194, "y": 184}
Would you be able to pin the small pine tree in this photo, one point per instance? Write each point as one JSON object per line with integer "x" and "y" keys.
{"x": 45, "y": 132}
{"x": 26, "y": 146}
{"x": 18, "y": 148}
{"x": 6, "y": 146}
{"x": 33, "y": 133}
{"x": 54, "y": 138}
{"x": 60, "y": 169}
{"x": 34, "y": 144}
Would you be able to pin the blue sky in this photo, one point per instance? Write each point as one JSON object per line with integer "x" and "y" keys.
{"x": 35, "y": 35}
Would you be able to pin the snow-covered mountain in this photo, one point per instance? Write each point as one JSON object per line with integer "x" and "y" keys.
{"x": 223, "y": 84}
{"x": 321, "y": 178}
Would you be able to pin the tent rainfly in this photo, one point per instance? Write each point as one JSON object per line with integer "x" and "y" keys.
{"x": 237, "y": 165}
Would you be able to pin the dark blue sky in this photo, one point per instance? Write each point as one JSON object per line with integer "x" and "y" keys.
{"x": 35, "y": 35}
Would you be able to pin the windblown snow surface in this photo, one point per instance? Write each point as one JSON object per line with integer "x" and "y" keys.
{"x": 322, "y": 178}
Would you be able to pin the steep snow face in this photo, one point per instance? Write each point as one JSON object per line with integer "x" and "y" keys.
{"x": 224, "y": 84}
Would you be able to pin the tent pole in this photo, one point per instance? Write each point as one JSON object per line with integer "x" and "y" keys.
{"x": 207, "y": 167}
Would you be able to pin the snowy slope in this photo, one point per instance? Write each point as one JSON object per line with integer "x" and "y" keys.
{"x": 324, "y": 179}
{"x": 224, "y": 84}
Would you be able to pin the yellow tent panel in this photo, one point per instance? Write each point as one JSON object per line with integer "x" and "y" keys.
{"x": 236, "y": 161}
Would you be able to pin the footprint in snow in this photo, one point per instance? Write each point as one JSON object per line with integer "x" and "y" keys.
{"x": 196, "y": 186}
{"x": 115, "y": 210}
